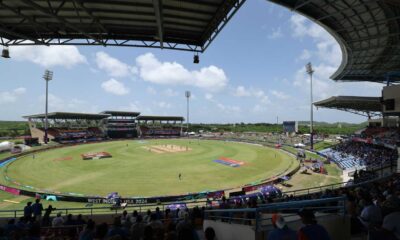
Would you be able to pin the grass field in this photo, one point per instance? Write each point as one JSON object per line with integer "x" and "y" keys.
{"x": 135, "y": 171}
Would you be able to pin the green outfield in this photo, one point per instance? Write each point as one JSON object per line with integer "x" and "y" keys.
{"x": 148, "y": 168}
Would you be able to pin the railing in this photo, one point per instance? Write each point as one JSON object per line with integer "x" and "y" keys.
{"x": 105, "y": 210}
{"x": 259, "y": 217}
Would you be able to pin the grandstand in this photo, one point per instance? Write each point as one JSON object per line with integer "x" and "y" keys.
{"x": 160, "y": 126}
{"x": 121, "y": 124}
{"x": 66, "y": 127}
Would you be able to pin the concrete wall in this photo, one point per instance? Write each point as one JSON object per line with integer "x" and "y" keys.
{"x": 227, "y": 231}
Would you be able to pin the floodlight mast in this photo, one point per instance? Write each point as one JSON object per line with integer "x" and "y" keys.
{"x": 187, "y": 95}
{"x": 48, "y": 76}
{"x": 310, "y": 72}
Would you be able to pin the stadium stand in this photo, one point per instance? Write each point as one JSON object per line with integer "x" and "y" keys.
{"x": 68, "y": 127}
{"x": 353, "y": 154}
{"x": 121, "y": 124}
{"x": 160, "y": 126}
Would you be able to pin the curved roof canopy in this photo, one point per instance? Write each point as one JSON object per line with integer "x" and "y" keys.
{"x": 366, "y": 106}
{"x": 184, "y": 25}
{"x": 368, "y": 32}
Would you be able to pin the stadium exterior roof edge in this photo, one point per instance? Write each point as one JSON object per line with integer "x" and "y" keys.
{"x": 69, "y": 115}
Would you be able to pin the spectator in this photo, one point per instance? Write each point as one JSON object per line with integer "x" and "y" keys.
{"x": 101, "y": 231}
{"x": 117, "y": 229}
{"x": 28, "y": 211}
{"x": 37, "y": 209}
{"x": 281, "y": 230}
{"x": 148, "y": 233}
{"x": 137, "y": 229}
{"x": 58, "y": 221}
{"x": 147, "y": 217}
{"x": 79, "y": 220}
{"x": 88, "y": 232}
{"x": 155, "y": 223}
{"x": 46, "y": 216}
{"x": 70, "y": 221}
{"x": 210, "y": 233}
{"x": 371, "y": 214}
{"x": 312, "y": 230}
{"x": 391, "y": 222}
{"x": 134, "y": 217}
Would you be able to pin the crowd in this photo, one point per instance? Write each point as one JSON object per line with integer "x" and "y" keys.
{"x": 158, "y": 225}
{"x": 367, "y": 154}
{"x": 372, "y": 207}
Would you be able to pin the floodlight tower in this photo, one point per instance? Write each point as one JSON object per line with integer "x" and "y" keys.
{"x": 187, "y": 95}
{"x": 48, "y": 76}
{"x": 310, "y": 72}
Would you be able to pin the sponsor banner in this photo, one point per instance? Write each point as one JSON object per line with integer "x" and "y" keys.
{"x": 10, "y": 190}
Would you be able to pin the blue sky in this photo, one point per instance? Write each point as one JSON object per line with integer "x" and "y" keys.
{"x": 252, "y": 72}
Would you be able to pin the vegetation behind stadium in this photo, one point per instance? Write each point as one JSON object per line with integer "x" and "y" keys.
{"x": 19, "y": 128}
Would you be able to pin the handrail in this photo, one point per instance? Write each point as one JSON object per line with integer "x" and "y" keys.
{"x": 109, "y": 209}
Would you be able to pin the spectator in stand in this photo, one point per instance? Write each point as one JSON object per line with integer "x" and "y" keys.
{"x": 37, "y": 209}
{"x": 101, "y": 231}
{"x": 148, "y": 233}
{"x": 371, "y": 214}
{"x": 137, "y": 228}
{"x": 281, "y": 230}
{"x": 117, "y": 229}
{"x": 125, "y": 220}
{"x": 79, "y": 220}
{"x": 46, "y": 216}
{"x": 88, "y": 232}
{"x": 312, "y": 230}
{"x": 391, "y": 222}
{"x": 58, "y": 221}
{"x": 70, "y": 221}
{"x": 147, "y": 217}
{"x": 28, "y": 211}
{"x": 171, "y": 232}
{"x": 158, "y": 213}
{"x": 155, "y": 223}
{"x": 210, "y": 233}
{"x": 134, "y": 217}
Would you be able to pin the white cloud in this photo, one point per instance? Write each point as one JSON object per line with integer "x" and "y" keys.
{"x": 170, "y": 93}
{"x": 228, "y": 109}
{"x": 65, "y": 56}
{"x": 241, "y": 91}
{"x": 112, "y": 66}
{"x": 280, "y": 95}
{"x": 11, "y": 96}
{"x": 208, "y": 96}
{"x": 152, "y": 70}
{"x": 57, "y": 103}
{"x": 305, "y": 55}
{"x": 115, "y": 87}
{"x": 151, "y": 91}
{"x": 162, "y": 104}
{"x": 276, "y": 33}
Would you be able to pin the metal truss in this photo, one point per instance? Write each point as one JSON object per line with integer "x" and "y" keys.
{"x": 104, "y": 42}
{"x": 48, "y": 35}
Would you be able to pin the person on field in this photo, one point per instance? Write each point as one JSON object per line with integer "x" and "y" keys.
{"x": 180, "y": 176}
